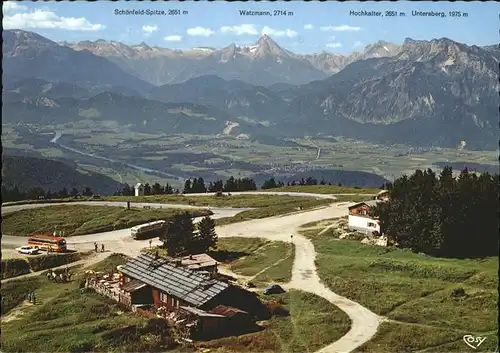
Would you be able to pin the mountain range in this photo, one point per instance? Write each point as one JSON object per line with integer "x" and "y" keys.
{"x": 263, "y": 63}
{"x": 436, "y": 92}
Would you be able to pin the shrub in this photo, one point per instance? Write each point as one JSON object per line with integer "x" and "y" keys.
{"x": 14, "y": 267}
{"x": 40, "y": 263}
{"x": 458, "y": 292}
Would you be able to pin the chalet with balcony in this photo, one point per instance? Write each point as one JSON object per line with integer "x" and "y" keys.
{"x": 361, "y": 218}
{"x": 153, "y": 283}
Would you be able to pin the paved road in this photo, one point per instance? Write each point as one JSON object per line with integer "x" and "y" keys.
{"x": 364, "y": 323}
{"x": 85, "y": 242}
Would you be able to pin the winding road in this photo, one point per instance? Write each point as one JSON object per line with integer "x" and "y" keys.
{"x": 364, "y": 323}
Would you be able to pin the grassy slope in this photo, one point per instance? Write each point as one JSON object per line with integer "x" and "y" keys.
{"x": 80, "y": 219}
{"x": 327, "y": 189}
{"x": 313, "y": 323}
{"x": 412, "y": 289}
{"x": 276, "y": 209}
{"x": 65, "y": 320}
{"x": 268, "y": 261}
{"x": 221, "y": 201}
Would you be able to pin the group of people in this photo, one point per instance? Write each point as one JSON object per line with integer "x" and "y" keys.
{"x": 96, "y": 247}
{"x": 61, "y": 277}
{"x": 32, "y": 297}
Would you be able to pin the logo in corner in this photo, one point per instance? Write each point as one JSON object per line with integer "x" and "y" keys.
{"x": 473, "y": 342}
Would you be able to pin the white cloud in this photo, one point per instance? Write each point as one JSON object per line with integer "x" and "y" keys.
{"x": 343, "y": 28}
{"x": 147, "y": 29}
{"x": 308, "y": 26}
{"x": 334, "y": 45}
{"x": 173, "y": 38}
{"x": 200, "y": 32}
{"x": 12, "y": 6}
{"x": 48, "y": 19}
{"x": 290, "y": 33}
{"x": 240, "y": 29}
{"x": 357, "y": 44}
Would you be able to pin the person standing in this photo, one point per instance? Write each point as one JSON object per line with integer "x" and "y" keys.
{"x": 102, "y": 247}
{"x": 150, "y": 242}
{"x": 95, "y": 246}
{"x": 34, "y": 298}
{"x": 29, "y": 297}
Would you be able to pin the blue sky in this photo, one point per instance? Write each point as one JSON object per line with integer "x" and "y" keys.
{"x": 313, "y": 27}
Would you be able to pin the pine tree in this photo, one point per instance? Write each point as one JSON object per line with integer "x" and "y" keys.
{"x": 127, "y": 190}
{"x": 179, "y": 235}
{"x": 63, "y": 193}
{"x": 230, "y": 185}
{"x": 87, "y": 191}
{"x": 157, "y": 189}
{"x": 206, "y": 237}
{"x": 168, "y": 190}
{"x": 187, "y": 187}
{"x": 269, "y": 184}
{"x": 442, "y": 216}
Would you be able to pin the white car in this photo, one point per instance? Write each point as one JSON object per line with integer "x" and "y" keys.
{"x": 28, "y": 250}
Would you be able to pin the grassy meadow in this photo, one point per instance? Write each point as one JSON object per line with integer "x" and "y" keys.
{"x": 81, "y": 219}
{"x": 313, "y": 323}
{"x": 261, "y": 260}
{"x": 327, "y": 189}
{"x": 430, "y": 302}
{"x": 66, "y": 320}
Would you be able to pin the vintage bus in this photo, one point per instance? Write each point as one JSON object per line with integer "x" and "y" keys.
{"x": 148, "y": 230}
{"x": 45, "y": 242}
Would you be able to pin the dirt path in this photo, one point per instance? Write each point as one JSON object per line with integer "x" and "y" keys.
{"x": 364, "y": 323}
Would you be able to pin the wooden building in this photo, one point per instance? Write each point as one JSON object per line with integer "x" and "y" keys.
{"x": 172, "y": 285}
{"x": 202, "y": 324}
{"x": 135, "y": 292}
{"x": 139, "y": 189}
{"x": 214, "y": 308}
{"x": 200, "y": 262}
{"x": 237, "y": 320}
{"x": 361, "y": 218}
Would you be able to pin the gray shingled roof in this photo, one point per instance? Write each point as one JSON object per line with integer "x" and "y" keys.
{"x": 199, "y": 312}
{"x": 133, "y": 285}
{"x": 180, "y": 282}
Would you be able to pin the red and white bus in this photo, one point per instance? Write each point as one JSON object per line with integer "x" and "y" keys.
{"x": 56, "y": 244}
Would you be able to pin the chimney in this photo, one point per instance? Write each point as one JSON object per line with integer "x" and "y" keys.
{"x": 178, "y": 263}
